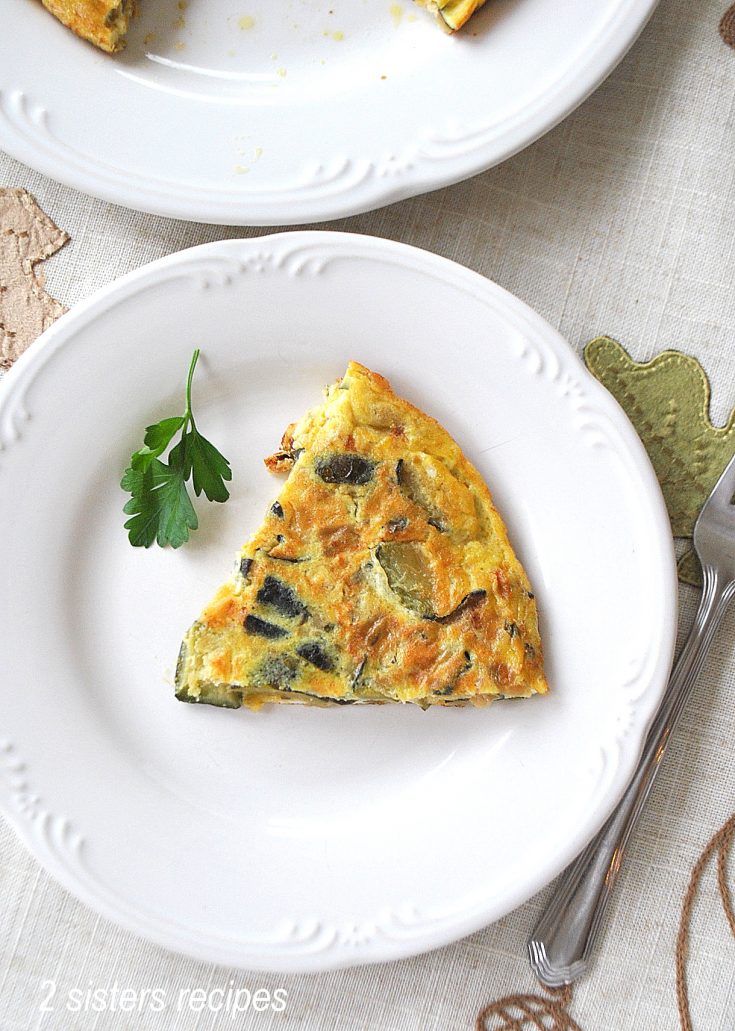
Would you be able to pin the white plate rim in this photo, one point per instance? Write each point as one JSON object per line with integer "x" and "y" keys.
{"x": 50, "y": 840}
{"x": 362, "y": 185}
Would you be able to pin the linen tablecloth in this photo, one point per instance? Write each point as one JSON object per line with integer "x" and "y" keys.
{"x": 620, "y": 221}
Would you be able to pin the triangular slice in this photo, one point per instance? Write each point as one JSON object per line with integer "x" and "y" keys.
{"x": 382, "y": 573}
{"x": 102, "y": 22}
{"x": 452, "y": 14}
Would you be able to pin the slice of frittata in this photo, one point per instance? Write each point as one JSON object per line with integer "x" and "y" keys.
{"x": 452, "y": 14}
{"x": 102, "y": 22}
{"x": 383, "y": 573}
{"x": 105, "y": 22}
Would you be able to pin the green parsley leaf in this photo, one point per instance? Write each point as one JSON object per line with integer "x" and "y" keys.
{"x": 209, "y": 469}
{"x": 159, "y": 436}
{"x": 160, "y": 505}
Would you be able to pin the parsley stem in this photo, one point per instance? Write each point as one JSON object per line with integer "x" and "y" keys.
{"x": 194, "y": 359}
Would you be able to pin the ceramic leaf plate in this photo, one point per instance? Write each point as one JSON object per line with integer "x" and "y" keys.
{"x": 279, "y": 113}
{"x": 297, "y": 838}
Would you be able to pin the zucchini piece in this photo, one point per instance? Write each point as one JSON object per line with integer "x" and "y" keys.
{"x": 261, "y": 628}
{"x": 313, "y": 653}
{"x": 344, "y": 468}
{"x": 223, "y": 695}
{"x": 281, "y": 597}
{"x": 408, "y": 574}
{"x": 469, "y": 600}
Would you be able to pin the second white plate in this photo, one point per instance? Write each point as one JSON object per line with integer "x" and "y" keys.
{"x": 279, "y": 113}
{"x": 295, "y": 838}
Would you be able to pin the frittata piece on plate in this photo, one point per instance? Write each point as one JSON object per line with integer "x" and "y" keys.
{"x": 452, "y": 14}
{"x": 102, "y": 22}
{"x": 382, "y": 573}
{"x": 105, "y": 22}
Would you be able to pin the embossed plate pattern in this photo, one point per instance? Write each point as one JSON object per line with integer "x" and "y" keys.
{"x": 295, "y": 838}
{"x": 300, "y": 110}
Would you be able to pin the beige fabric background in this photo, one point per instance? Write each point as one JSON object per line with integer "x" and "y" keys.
{"x": 622, "y": 221}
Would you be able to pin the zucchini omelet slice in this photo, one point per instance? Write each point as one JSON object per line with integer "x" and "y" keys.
{"x": 452, "y": 14}
{"x": 102, "y": 22}
{"x": 105, "y": 22}
{"x": 382, "y": 573}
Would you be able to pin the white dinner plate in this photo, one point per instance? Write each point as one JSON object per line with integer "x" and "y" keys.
{"x": 264, "y": 113}
{"x": 297, "y": 838}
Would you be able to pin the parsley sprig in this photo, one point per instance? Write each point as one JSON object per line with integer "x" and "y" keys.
{"x": 160, "y": 505}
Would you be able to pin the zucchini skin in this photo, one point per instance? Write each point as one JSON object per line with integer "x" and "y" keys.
{"x": 224, "y": 696}
{"x": 212, "y": 694}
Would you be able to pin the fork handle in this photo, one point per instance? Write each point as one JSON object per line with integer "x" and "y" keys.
{"x": 562, "y": 940}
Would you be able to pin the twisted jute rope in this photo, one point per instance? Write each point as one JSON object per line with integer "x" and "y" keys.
{"x": 533, "y": 1012}
{"x": 727, "y": 26}
{"x": 719, "y": 843}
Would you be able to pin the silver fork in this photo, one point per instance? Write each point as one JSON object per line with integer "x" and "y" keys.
{"x": 561, "y": 943}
